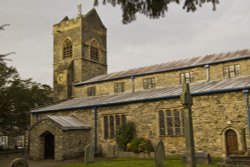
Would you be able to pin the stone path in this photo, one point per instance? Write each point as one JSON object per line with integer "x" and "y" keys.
{"x": 6, "y": 160}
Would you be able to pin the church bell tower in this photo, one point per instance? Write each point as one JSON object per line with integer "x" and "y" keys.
{"x": 79, "y": 52}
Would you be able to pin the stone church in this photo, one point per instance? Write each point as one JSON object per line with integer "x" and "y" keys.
{"x": 91, "y": 104}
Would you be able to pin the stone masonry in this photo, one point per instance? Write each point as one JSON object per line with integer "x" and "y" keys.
{"x": 214, "y": 112}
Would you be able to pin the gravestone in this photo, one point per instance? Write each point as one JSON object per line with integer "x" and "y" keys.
{"x": 159, "y": 154}
{"x": 19, "y": 162}
{"x": 111, "y": 151}
{"x": 200, "y": 157}
{"x": 89, "y": 153}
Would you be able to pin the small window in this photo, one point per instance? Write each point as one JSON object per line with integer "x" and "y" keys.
{"x": 171, "y": 122}
{"x": 148, "y": 83}
{"x": 111, "y": 123}
{"x": 67, "y": 49}
{"x": 91, "y": 91}
{"x": 119, "y": 87}
{"x": 186, "y": 77}
{"x": 94, "y": 52}
{"x": 231, "y": 71}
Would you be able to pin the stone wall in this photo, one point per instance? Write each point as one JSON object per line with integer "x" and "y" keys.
{"x": 165, "y": 79}
{"x": 80, "y": 31}
{"x": 37, "y": 142}
{"x": 74, "y": 142}
{"x": 212, "y": 115}
{"x": 68, "y": 144}
{"x": 68, "y": 29}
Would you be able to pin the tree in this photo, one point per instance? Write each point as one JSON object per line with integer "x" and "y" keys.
{"x": 125, "y": 134}
{"x": 3, "y": 56}
{"x": 17, "y": 98}
{"x": 152, "y": 8}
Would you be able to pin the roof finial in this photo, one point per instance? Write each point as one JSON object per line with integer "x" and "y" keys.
{"x": 79, "y": 9}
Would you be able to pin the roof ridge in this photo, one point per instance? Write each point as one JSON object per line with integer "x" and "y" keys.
{"x": 197, "y": 88}
{"x": 213, "y": 58}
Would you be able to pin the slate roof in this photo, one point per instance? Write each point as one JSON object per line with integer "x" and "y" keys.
{"x": 198, "y": 88}
{"x": 170, "y": 66}
{"x": 68, "y": 122}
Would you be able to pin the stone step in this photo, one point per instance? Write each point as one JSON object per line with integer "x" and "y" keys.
{"x": 237, "y": 161}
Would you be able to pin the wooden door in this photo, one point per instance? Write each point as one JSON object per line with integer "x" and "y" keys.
{"x": 231, "y": 142}
{"x": 49, "y": 146}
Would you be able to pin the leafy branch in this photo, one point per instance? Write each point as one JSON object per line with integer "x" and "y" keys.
{"x": 152, "y": 8}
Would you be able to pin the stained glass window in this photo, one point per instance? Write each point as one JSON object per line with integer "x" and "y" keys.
{"x": 171, "y": 122}
{"x": 111, "y": 124}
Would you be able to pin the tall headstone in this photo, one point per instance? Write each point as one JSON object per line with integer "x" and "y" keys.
{"x": 187, "y": 102}
{"x": 89, "y": 153}
{"x": 159, "y": 154}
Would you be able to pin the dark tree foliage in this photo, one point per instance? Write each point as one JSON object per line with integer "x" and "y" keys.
{"x": 3, "y": 56}
{"x": 152, "y": 8}
{"x": 17, "y": 98}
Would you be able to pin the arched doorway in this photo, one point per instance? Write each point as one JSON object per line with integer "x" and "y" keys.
{"x": 49, "y": 146}
{"x": 231, "y": 142}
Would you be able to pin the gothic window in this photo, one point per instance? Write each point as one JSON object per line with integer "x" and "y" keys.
{"x": 119, "y": 87}
{"x": 171, "y": 122}
{"x": 112, "y": 127}
{"x": 186, "y": 77}
{"x": 91, "y": 91}
{"x": 94, "y": 52}
{"x": 231, "y": 71}
{"x": 117, "y": 121}
{"x": 67, "y": 48}
{"x": 148, "y": 83}
{"x": 123, "y": 119}
{"x": 111, "y": 123}
{"x": 161, "y": 123}
{"x": 105, "y": 126}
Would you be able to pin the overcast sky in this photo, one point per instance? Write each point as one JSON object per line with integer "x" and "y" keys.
{"x": 144, "y": 42}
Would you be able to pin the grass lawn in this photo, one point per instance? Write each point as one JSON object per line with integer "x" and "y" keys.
{"x": 135, "y": 163}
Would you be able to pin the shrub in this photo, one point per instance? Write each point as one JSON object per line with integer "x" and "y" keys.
{"x": 141, "y": 145}
{"x": 125, "y": 134}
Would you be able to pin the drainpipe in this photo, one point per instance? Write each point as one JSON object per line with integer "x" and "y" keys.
{"x": 246, "y": 93}
{"x": 95, "y": 128}
{"x": 207, "y": 71}
{"x": 133, "y": 83}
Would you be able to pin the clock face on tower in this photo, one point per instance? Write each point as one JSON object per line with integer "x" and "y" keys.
{"x": 61, "y": 78}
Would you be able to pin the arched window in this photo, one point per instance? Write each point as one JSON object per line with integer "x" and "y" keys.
{"x": 67, "y": 49}
{"x": 94, "y": 52}
{"x": 161, "y": 123}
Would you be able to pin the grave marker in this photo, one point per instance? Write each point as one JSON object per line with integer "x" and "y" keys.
{"x": 89, "y": 152}
{"x": 159, "y": 154}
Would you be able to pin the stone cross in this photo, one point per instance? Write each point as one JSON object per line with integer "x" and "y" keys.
{"x": 89, "y": 152}
{"x": 159, "y": 154}
{"x": 187, "y": 102}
